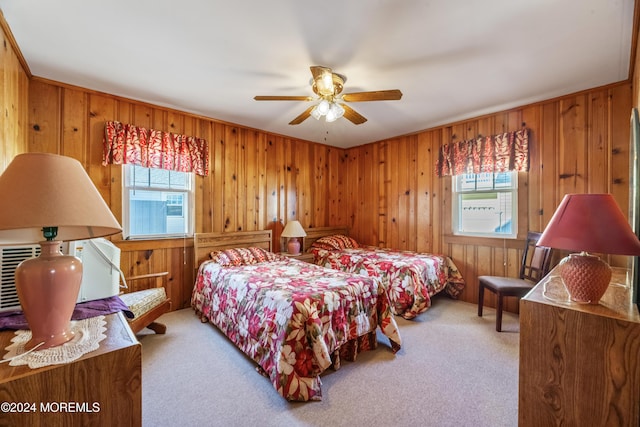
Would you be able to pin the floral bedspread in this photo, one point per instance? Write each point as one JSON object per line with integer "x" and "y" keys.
{"x": 410, "y": 278}
{"x": 293, "y": 318}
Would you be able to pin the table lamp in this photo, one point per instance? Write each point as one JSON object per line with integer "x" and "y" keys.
{"x": 47, "y": 199}
{"x": 293, "y": 231}
{"x": 588, "y": 223}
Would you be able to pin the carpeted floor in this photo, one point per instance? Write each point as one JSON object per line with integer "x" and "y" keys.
{"x": 454, "y": 369}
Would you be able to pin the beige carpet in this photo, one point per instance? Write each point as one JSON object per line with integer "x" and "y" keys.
{"x": 454, "y": 369}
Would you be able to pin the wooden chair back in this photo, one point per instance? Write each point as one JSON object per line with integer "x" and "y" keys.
{"x": 536, "y": 260}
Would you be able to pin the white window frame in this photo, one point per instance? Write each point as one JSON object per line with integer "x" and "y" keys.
{"x": 458, "y": 191}
{"x": 188, "y": 204}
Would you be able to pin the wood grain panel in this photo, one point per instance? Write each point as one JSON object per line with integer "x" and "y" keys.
{"x": 548, "y": 149}
{"x": 44, "y": 119}
{"x": 304, "y": 161}
{"x": 14, "y": 113}
{"x": 573, "y": 148}
{"x": 101, "y": 109}
{"x": 598, "y": 143}
{"x": 579, "y": 363}
{"x": 532, "y": 118}
{"x": 425, "y": 161}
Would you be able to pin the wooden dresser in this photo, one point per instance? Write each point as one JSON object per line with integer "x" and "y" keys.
{"x": 579, "y": 363}
{"x": 305, "y": 256}
{"x": 102, "y": 388}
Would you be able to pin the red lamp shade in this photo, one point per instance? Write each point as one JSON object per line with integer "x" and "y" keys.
{"x": 589, "y": 223}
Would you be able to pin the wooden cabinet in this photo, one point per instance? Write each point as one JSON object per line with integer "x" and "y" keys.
{"x": 579, "y": 362}
{"x": 305, "y": 256}
{"x": 102, "y": 388}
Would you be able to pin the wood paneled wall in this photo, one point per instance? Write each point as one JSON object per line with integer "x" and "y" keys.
{"x": 256, "y": 181}
{"x": 14, "y": 90}
{"x": 386, "y": 191}
{"x": 578, "y": 144}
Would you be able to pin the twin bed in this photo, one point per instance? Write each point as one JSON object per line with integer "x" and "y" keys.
{"x": 294, "y": 319}
{"x": 410, "y": 278}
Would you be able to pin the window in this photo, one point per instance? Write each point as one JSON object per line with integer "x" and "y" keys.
{"x": 156, "y": 202}
{"x": 485, "y": 204}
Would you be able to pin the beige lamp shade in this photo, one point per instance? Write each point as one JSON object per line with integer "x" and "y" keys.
{"x": 48, "y": 190}
{"x": 293, "y": 229}
{"x": 48, "y": 198}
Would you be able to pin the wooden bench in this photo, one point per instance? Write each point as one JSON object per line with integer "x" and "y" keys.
{"x": 148, "y": 304}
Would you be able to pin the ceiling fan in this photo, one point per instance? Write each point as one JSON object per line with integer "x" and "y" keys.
{"x": 328, "y": 86}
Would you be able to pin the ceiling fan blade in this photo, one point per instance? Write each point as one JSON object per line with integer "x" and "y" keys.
{"x": 302, "y": 117}
{"x": 283, "y": 98}
{"x": 378, "y": 95}
{"x": 352, "y": 115}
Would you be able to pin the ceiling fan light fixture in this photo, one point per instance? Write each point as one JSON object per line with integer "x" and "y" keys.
{"x": 339, "y": 111}
{"x": 324, "y": 84}
{"x": 335, "y": 112}
{"x": 323, "y": 107}
{"x": 315, "y": 113}
{"x": 328, "y": 87}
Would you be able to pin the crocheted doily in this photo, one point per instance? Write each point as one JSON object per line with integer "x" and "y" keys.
{"x": 87, "y": 336}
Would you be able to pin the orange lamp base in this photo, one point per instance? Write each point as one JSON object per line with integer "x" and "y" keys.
{"x": 586, "y": 277}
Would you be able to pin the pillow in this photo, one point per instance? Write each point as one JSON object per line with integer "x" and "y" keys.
{"x": 335, "y": 242}
{"x": 242, "y": 256}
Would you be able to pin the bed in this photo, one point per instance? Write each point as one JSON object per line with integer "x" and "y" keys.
{"x": 294, "y": 319}
{"x": 411, "y": 278}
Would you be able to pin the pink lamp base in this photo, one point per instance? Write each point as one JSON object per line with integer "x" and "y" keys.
{"x": 586, "y": 277}
{"x": 48, "y": 287}
{"x": 293, "y": 247}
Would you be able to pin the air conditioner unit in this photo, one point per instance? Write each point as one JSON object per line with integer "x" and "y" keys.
{"x": 100, "y": 269}
{"x": 10, "y": 257}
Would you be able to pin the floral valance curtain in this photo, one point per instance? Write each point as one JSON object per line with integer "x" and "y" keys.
{"x": 129, "y": 144}
{"x": 498, "y": 153}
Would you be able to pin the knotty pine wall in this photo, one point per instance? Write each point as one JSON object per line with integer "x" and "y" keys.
{"x": 578, "y": 144}
{"x": 14, "y": 92}
{"x": 385, "y": 191}
{"x": 257, "y": 180}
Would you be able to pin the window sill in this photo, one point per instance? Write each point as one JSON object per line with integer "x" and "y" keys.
{"x": 494, "y": 242}
{"x": 156, "y": 243}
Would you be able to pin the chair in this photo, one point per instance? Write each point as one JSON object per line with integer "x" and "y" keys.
{"x": 535, "y": 265}
{"x": 148, "y": 304}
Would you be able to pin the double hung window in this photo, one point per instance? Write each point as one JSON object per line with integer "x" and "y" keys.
{"x": 485, "y": 204}
{"x": 157, "y": 202}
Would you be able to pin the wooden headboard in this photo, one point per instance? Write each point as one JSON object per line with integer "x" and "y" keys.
{"x": 314, "y": 234}
{"x": 205, "y": 243}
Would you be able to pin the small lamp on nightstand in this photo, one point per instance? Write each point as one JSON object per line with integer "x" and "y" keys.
{"x": 49, "y": 199}
{"x": 293, "y": 231}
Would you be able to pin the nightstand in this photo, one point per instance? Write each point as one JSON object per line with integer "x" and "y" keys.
{"x": 101, "y": 388}
{"x": 305, "y": 256}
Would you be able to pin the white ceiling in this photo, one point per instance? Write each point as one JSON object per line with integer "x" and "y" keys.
{"x": 452, "y": 59}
